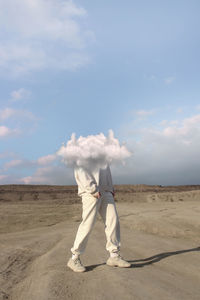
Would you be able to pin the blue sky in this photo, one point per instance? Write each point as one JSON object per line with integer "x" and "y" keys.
{"x": 90, "y": 66}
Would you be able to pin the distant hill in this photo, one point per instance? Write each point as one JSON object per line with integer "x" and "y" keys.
{"x": 68, "y": 193}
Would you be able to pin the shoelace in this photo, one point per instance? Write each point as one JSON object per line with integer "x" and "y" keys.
{"x": 118, "y": 256}
{"x": 77, "y": 261}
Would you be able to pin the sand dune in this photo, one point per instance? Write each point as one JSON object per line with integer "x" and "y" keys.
{"x": 160, "y": 237}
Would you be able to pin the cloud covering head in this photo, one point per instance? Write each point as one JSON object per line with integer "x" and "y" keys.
{"x": 93, "y": 151}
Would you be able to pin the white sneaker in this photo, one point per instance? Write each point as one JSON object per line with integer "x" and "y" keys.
{"x": 118, "y": 261}
{"x": 76, "y": 265}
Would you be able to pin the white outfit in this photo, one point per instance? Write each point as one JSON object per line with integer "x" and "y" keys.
{"x": 90, "y": 183}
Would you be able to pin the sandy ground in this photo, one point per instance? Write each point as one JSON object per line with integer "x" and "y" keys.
{"x": 159, "y": 238}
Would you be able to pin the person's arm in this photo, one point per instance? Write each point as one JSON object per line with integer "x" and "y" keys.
{"x": 110, "y": 183}
{"x": 86, "y": 182}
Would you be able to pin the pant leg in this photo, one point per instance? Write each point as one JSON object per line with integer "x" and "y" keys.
{"x": 110, "y": 217}
{"x": 90, "y": 207}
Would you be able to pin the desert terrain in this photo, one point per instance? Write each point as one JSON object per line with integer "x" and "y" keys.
{"x": 160, "y": 235}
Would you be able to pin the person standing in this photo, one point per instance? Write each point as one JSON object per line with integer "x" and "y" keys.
{"x": 97, "y": 193}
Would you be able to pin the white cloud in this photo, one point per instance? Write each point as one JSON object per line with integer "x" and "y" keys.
{"x": 20, "y": 94}
{"x": 50, "y": 175}
{"x": 9, "y": 179}
{"x": 20, "y": 164}
{"x": 169, "y": 80}
{"x": 163, "y": 123}
{"x": 180, "y": 110}
{"x": 50, "y": 19}
{"x": 184, "y": 128}
{"x": 44, "y": 160}
{"x": 164, "y": 154}
{"x": 6, "y": 113}
{"x": 142, "y": 114}
{"x": 93, "y": 151}
{"x": 30, "y": 164}
{"x": 13, "y": 163}
{"x": 36, "y": 174}
{"x": 48, "y": 169}
{"x": 3, "y": 177}
{"x": 5, "y": 131}
{"x": 6, "y": 154}
{"x": 23, "y": 121}
{"x": 40, "y": 34}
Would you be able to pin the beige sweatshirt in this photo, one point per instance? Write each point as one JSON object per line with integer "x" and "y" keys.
{"x": 93, "y": 182}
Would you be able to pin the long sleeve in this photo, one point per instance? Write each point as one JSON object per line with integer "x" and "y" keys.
{"x": 86, "y": 181}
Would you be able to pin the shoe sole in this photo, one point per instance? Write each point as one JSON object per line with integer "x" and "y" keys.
{"x": 115, "y": 265}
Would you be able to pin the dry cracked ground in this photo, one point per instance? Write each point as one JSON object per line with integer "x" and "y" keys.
{"x": 160, "y": 237}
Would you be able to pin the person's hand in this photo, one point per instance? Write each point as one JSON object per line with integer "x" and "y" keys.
{"x": 97, "y": 195}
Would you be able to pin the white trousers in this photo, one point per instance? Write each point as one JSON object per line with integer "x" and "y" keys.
{"x": 106, "y": 207}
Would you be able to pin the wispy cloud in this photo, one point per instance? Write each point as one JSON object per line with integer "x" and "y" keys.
{"x": 169, "y": 80}
{"x": 44, "y": 160}
{"x": 9, "y": 112}
{"x": 6, "y": 154}
{"x": 180, "y": 110}
{"x": 5, "y": 131}
{"x": 14, "y": 163}
{"x": 50, "y": 175}
{"x": 10, "y": 179}
{"x": 6, "y": 113}
{"x": 20, "y": 94}
{"x": 22, "y": 163}
{"x": 44, "y": 170}
{"x": 42, "y": 34}
{"x": 142, "y": 114}
{"x": 23, "y": 121}
{"x": 2, "y": 177}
